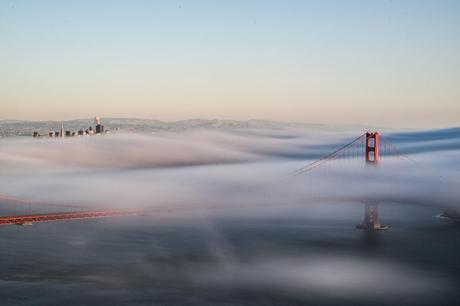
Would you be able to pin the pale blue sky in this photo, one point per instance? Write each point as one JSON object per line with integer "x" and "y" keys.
{"x": 382, "y": 62}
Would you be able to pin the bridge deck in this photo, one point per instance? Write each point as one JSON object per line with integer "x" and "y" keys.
{"x": 29, "y": 219}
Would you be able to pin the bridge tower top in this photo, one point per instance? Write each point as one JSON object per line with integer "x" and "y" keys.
{"x": 372, "y": 148}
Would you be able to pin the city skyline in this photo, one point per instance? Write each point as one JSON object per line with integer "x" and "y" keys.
{"x": 361, "y": 62}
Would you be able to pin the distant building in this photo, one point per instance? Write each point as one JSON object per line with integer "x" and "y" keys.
{"x": 99, "y": 129}
{"x": 51, "y": 134}
{"x": 61, "y": 133}
{"x": 35, "y": 134}
{"x": 68, "y": 133}
{"x": 81, "y": 132}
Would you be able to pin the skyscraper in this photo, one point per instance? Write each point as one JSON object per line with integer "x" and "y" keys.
{"x": 99, "y": 129}
{"x": 99, "y": 126}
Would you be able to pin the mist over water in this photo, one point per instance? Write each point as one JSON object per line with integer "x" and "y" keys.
{"x": 242, "y": 230}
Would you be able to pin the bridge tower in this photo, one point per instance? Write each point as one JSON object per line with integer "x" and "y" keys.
{"x": 371, "y": 209}
{"x": 372, "y": 148}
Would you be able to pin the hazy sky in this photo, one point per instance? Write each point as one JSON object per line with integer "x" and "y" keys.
{"x": 381, "y": 62}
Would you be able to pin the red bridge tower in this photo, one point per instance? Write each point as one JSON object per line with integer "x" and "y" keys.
{"x": 371, "y": 210}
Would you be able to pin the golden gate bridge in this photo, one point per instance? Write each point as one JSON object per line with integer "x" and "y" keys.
{"x": 368, "y": 149}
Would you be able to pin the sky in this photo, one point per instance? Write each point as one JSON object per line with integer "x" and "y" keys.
{"x": 392, "y": 63}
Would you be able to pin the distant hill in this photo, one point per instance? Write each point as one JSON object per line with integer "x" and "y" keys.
{"x": 10, "y": 128}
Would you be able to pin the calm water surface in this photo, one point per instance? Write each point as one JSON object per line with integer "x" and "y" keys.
{"x": 301, "y": 256}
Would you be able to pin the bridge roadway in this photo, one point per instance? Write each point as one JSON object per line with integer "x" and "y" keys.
{"x": 93, "y": 214}
{"x": 105, "y": 213}
{"x": 29, "y": 219}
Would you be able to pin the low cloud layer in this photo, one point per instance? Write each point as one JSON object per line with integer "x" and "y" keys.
{"x": 214, "y": 168}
